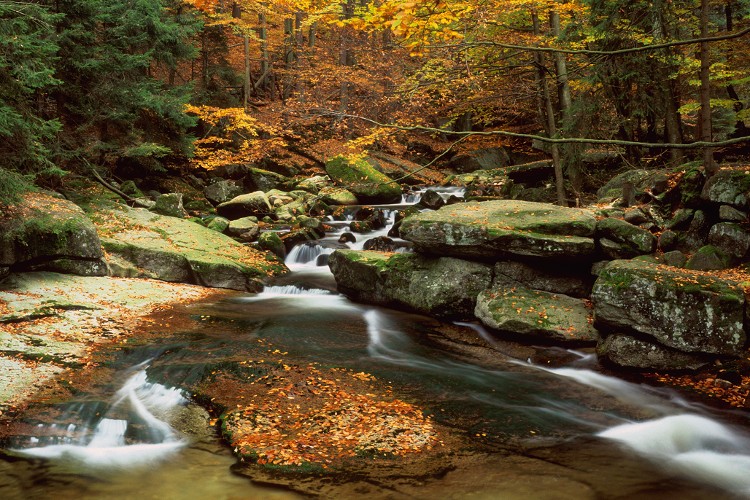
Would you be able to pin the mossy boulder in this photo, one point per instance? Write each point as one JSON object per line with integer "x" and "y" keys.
{"x": 533, "y": 313}
{"x": 265, "y": 180}
{"x": 732, "y": 238}
{"x": 621, "y": 240}
{"x": 222, "y": 191}
{"x": 313, "y": 184}
{"x": 337, "y": 196}
{"x": 48, "y": 233}
{"x": 255, "y": 204}
{"x": 363, "y": 180}
{"x": 498, "y": 229}
{"x": 218, "y": 224}
{"x": 271, "y": 242}
{"x": 728, "y": 186}
{"x": 442, "y": 287}
{"x": 681, "y": 309}
{"x": 178, "y": 250}
{"x": 709, "y": 258}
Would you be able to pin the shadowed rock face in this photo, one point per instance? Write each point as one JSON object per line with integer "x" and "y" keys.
{"x": 504, "y": 228}
{"x": 679, "y": 309}
{"x": 441, "y": 287}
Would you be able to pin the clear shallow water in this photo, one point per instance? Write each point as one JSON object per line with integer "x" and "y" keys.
{"x": 606, "y": 437}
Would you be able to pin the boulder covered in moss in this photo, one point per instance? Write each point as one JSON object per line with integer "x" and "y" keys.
{"x": 621, "y": 240}
{"x": 677, "y": 308}
{"x": 143, "y": 244}
{"x": 537, "y": 314}
{"x": 500, "y": 229}
{"x": 728, "y": 186}
{"x": 250, "y": 204}
{"x": 363, "y": 180}
{"x": 442, "y": 287}
{"x": 43, "y": 232}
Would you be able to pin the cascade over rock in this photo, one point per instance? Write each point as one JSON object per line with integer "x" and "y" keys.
{"x": 503, "y": 228}
{"x": 680, "y": 309}
{"x": 442, "y": 287}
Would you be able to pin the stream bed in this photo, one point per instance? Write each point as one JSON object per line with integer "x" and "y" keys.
{"x": 517, "y": 421}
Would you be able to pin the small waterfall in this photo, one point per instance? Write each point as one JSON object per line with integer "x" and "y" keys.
{"x": 282, "y": 291}
{"x": 106, "y": 445}
{"x": 695, "y": 446}
{"x": 308, "y": 255}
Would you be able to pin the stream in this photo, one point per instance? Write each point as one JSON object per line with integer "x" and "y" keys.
{"x": 535, "y": 422}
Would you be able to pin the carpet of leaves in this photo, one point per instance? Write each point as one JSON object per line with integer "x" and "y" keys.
{"x": 712, "y": 385}
{"x": 300, "y": 415}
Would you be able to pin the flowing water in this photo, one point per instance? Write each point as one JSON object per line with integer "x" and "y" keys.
{"x": 566, "y": 431}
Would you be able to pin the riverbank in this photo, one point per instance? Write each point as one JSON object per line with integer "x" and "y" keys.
{"x": 51, "y": 322}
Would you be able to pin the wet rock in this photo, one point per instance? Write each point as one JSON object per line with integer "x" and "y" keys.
{"x": 50, "y": 233}
{"x": 442, "y": 287}
{"x": 431, "y": 199}
{"x": 360, "y": 226}
{"x": 313, "y": 224}
{"x": 347, "y": 238}
{"x": 631, "y": 352}
{"x": 533, "y": 313}
{"x": 170, "y": 204}
{"x": 499, "y": 229}
{"x": 363, "y": 180}
{"x": 681, "y": 309}
{"x": 681, "y": 219}
{"x": 222, "y": 191}
{"x": 622, "y": 240}
{"x": 255, "y": 204}
{"x": 381, "y": 244}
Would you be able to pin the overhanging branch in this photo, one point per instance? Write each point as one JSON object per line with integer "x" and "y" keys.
{"x": 549, "y": 140}
{"x": 643, "y": 48}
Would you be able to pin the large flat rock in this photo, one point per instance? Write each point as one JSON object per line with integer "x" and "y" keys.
{"x": 140, "y": 243}
{"x": 505, "y": 228}
{"x": 685, "y": 310}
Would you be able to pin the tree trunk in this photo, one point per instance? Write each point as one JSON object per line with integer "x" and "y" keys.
{"x": 551, "y": 126}
{"x": 263, "y": 36}
{"x": 346, "y": 55}
{"x": 706, "y": 131}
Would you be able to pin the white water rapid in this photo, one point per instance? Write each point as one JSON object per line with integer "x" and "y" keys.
{"x": 106, "y": 445}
